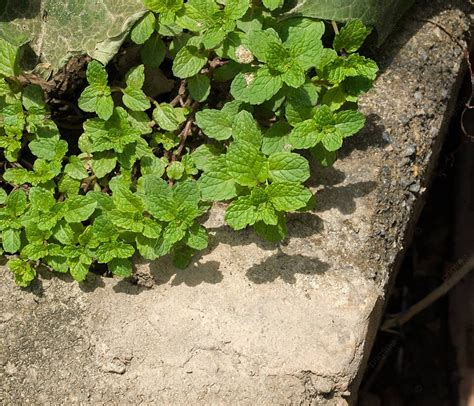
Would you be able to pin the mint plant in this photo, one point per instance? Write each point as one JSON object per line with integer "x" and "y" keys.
{"x": 252, "y": 93}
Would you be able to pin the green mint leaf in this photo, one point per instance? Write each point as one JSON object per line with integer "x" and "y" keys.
{"x": 169, "y": 118}
{"x": 260, "y": 41}
{"x": 76, "y": 168}
{"x": 49, "y": 149}
{"x": 351, "y": 37}
{"x": 349, "y": 122}
{"x": 17, "y": 176}
{"x": 353, "y": 65}
{"x": 204, "y": 155}
{"x": 121, "y": 267}
{"x": 323, "y": 156}
{"x": 151, "y": 228}
{"x": 103, "y": 163}
{"x": 124, "y": 199}
{"x": 33, "y": 99}
{"x": 272, "y": 4}
{"x": 131, "y": 221}
{"x": 199, "y": 87}
{"x": 215, "y": 123}
{"x": 79, "y": 208}
{"x": 175, "y": 170}
{"x": 153, "y": 165}
{"x": 151, "y": 248}
{"x": 276, "y": 139}
{"x": 22, "y": 271}
{"x": 67, "y": 233}
{"x": 272, "y": 233}
{"x": 3, "y": 196}
{"x": 183, "y": 256}
{"x": 188, "y": 62}
{"x": 78, "y": 270}
{"x": 197, "y": 237}
{"x": 42, "y": 199}
{"x": 246, "y": 164}
{"x": 216, "y": 183}
{"x": 135, "y": 99}
{"x": 35, "y": 251}
{"x": 294, "y": 75}
{"x": 235, "y": 9}
{"x": 241, "y": 213}
{"x": 108, "y": 251}
{"x": 305, "y": 135}
{"x": 255, "y": 87}
{"x": 288, "y": 167}
{"x": 245, "y": 128}
{"x": 163, "y": 6}
{"x": 158, "y": 197}
{"x": 143, "y": 29}
{"x": 153, "y": 52}
{"x": 11, "y": 240}
{"x": 114, "y": 134}
{"x": 16, "y": 203}
{"x": 288, "y": 196}
{"x": 97, "y": 96}
{"x": 304, "y": 43}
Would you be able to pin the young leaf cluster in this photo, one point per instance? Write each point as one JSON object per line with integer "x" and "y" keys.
{"x": 251, "y": 94}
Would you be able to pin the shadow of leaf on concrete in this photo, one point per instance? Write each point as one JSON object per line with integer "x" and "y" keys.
{"x": 285, "y": 267}
{"x": 342, "y": 197}
{"x": 197, "y": 273}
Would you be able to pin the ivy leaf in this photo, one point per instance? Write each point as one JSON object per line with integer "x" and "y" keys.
{"x": 22, "y": 270}
{"x": 351, "y": 37}
{"x": 188, "y": 62}
{"x": 288, "y": 167}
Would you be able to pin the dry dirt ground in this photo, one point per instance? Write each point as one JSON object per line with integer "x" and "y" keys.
{"x": 250, "y": 322}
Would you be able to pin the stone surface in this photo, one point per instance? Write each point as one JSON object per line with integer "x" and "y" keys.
{"x": 251, "y": 323}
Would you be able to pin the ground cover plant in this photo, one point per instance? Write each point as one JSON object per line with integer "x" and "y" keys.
{"x": 255, "y": 96}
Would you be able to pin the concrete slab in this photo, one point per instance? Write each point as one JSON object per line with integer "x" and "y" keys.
{"x": 250, "y": 322}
